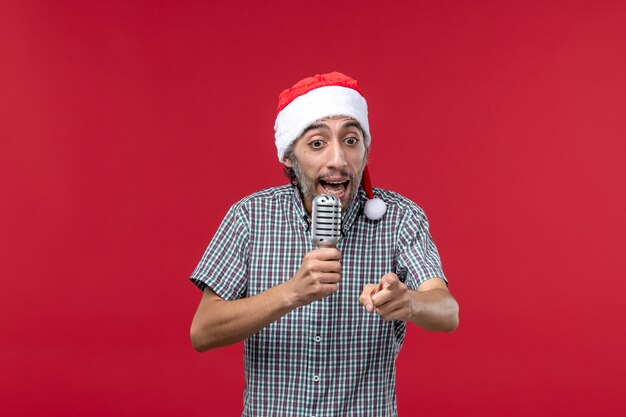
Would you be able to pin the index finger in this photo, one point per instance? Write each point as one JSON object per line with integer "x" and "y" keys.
{"x": 389, "y": 281}
{"x": 328, "y": 254}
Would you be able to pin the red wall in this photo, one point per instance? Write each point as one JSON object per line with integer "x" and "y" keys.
{"x": 128, "y": 128}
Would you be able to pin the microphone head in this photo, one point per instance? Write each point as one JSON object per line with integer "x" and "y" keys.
{"x": 326, "y": 220}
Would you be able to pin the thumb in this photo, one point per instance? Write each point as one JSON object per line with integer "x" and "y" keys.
{"x": 366, "y": 297}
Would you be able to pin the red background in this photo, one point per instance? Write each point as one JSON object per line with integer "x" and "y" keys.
{"x": 128, "y": 129}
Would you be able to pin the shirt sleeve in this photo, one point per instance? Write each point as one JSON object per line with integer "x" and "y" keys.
{"x": 418, "y": 259}
{"x": 223, "y": 267}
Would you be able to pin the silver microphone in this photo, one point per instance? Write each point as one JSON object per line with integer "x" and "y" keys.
{"x": 326, "y": 221}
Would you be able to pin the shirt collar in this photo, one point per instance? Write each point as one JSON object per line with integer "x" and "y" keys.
{"x": 299, "y": 212}
{"x": 353, "y": 211}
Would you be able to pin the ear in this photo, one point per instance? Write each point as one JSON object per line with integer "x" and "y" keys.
{"x": 288, "y": 163}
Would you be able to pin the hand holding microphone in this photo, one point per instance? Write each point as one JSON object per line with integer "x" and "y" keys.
{"x": 320, "y": 270}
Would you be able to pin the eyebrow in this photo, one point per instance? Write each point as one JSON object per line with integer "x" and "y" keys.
{"x": 347, "y": 125}
{"x": 353, "y": 123}
{"x": 314, "y": 126}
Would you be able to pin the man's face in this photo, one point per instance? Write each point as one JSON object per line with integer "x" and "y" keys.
{"x": 329, "y": 158}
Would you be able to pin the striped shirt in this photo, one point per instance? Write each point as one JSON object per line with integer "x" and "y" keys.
{"x": 331, "y": 357}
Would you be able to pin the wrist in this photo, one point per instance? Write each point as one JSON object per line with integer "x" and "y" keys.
{"x": 414, "y": 307}
{"x": 289, "y": 298}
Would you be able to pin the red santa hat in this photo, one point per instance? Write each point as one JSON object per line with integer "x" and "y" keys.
{"x": 318, "y": 97}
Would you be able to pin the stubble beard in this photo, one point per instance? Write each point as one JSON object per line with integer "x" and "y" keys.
{"x": 307, "y": 184}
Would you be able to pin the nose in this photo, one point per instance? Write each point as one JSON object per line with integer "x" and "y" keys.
{"x": 336, "y": 157}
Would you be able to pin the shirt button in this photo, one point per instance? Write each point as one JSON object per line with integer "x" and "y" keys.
{"x": 318, "y": 339}
{"x": 316, "y": 378}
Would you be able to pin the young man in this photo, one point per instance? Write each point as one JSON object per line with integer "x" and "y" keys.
{"x": 322, "y": 327}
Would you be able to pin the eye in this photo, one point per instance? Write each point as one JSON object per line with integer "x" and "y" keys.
{"x": 352, "y": 140}
{"x": 316, "y": 144}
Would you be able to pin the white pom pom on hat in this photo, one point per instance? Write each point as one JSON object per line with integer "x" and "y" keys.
{"x": 318, "y": 97}
{"x": 375, "y": 208}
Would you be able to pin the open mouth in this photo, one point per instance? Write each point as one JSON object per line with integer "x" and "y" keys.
{"x": 337, "y": 188}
